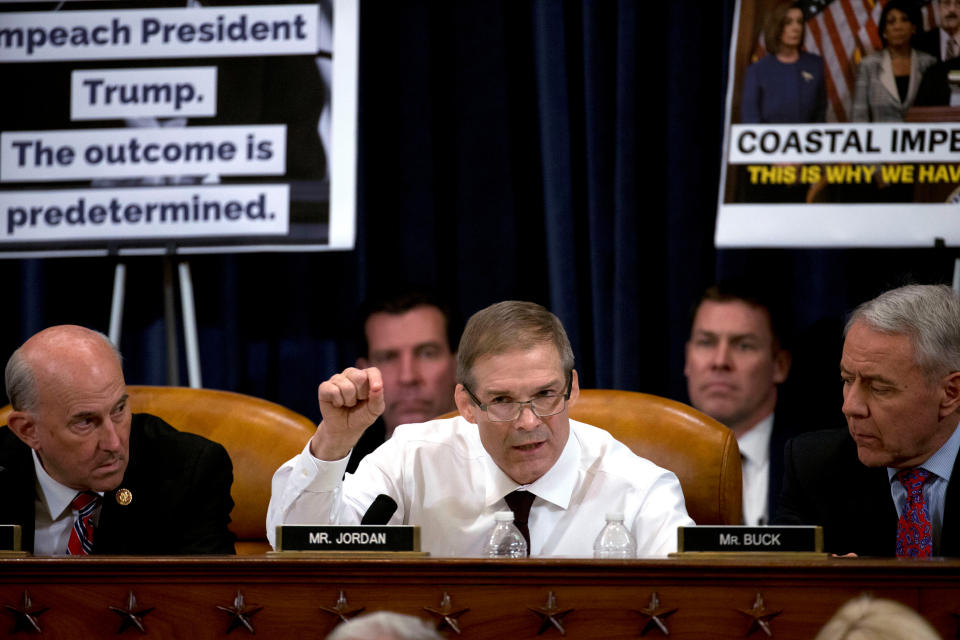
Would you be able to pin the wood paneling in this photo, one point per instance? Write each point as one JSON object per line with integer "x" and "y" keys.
{"x": 605, "y": 596}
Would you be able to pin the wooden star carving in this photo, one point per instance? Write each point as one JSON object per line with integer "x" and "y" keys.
{"x": 26, "y": 615}
{"x": 130, "y": 615}
{"x": 656, "y": 616}
{"x": 341, "y": 609}
{"x": 448, "y": 617}
{"x": 761, "y": 617}
{"x": 240, "y": 613}
{"x": 551, "y": 615}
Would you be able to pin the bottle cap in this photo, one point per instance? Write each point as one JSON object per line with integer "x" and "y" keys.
{"x": 615, "y": 516}
{"x": 503, "y": 516}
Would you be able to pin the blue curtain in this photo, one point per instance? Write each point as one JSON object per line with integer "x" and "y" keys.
{"x": 565, "y": 152}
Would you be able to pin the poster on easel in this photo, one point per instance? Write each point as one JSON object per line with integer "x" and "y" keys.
{"x": 199, "y": 127}
{"x": 842, "y": 125}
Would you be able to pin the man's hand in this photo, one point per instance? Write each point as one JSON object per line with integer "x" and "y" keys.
{"x": 349, "y": 402}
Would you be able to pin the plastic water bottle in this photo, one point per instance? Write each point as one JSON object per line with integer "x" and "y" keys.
{"x": 615, "y": 540}
{"x": 505, "y": 541}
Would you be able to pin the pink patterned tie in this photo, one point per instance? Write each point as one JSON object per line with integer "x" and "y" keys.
{"x": 81, "y": 537}
{"x": 914, "y": 533}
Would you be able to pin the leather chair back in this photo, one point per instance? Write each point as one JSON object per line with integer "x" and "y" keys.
{"x": 701, "y": 451}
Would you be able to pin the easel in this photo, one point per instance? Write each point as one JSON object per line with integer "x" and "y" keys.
{"x": 169, "y": 318}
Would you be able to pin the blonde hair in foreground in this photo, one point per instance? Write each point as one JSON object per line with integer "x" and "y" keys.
{"x": 867, "y": 618}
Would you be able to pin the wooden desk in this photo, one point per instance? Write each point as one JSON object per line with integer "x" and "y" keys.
{"x": 705, "y": 596}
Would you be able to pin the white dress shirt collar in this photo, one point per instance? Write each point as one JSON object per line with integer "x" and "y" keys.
{"x": 53, "y": 517}
{"x": 941, "y": 462}
{"x": 555, "y": 486}
{"x": 56, "y": 497}
{"x": 755, "y": 443}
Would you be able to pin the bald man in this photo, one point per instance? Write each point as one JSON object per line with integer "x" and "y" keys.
{"x": 81, "y": 475}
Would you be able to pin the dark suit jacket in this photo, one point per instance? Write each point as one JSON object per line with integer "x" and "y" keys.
{"x": 783, "y": 430}
{"x": 180, "y": 484}
{"x": 826, "y": 484}
{"x": 935, "y": 88}
{"x": 928, "y": 42}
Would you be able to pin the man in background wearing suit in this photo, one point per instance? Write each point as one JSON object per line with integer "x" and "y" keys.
{"x": 884, "y": 485}
{"x": 735, "y": 361}
{"x": 942, "y": 42}
{"x": 410, "y": 337}
{"x": 81, "y": 475}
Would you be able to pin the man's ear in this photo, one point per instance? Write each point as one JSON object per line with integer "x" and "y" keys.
{"x": 781, "y": 365}
{"x": 574, "y": 389}
{"x": 23, "y": 425}
{"x": 465, "y": 404}
{"x": 363, "y": 363}
{"x": 950, "y": 401}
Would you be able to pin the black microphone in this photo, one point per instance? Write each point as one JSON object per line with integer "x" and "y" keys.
{"x": 380, "y": 511}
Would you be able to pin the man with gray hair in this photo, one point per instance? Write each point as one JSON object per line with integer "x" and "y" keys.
{"x": 513, "y": 446}
{"x": 384, "y": 625}
{"x": 884, "y": 486}
{"x": 82, "y": 475}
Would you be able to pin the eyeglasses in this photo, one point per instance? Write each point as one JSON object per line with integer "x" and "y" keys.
{"x": 542, "y": 406}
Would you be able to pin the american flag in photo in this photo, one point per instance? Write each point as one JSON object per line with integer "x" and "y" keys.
{"x": 843, "y": 32}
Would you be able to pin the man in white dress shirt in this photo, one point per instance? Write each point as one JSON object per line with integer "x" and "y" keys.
{"x": 516, "y": 382}
{"x": 734, "y": 364}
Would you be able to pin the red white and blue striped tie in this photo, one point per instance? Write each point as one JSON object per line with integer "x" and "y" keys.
{"x": 914, "y": 531}
{"x": 81, "y": 537}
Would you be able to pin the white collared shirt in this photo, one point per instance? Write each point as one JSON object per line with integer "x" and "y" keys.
{"x": 755, "y": 460}
{"x": 445, "y": 481}
{"x": 53, "y": 517}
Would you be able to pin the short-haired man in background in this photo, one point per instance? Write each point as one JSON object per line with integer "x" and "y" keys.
{"x": 513, "y": 446}
{"x": 410, "y": 337}
{"x": 884, "y": 486}
{"x": 735, "y": 361}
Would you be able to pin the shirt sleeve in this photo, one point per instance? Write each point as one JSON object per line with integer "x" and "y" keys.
{"x": 661, "y": 511}
{"x": 305, "y": 490}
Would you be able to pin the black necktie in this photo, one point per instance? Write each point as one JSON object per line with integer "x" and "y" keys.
{"x": 519, "y": 502}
